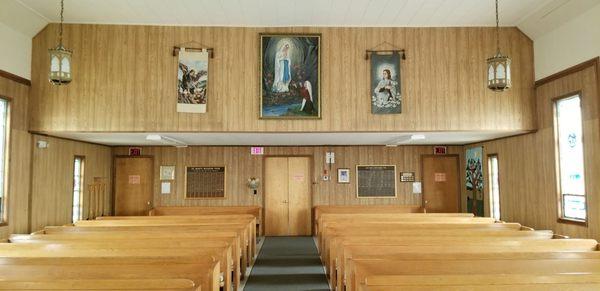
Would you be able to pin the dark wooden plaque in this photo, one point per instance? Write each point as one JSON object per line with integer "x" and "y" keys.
{"x": 205, "y": 182}
{"x": 376, "y": 181}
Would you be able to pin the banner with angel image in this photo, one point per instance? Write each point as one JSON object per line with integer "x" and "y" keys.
{"x": 192, "y": 81}
{"x": 386, "y": 93}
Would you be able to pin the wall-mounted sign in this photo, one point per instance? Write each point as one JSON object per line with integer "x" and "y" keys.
{"x": 440, "y": 150}
{"x": 135, "y": 151}
{"x": 439, "y": 177}
{"x": 407, "y": 176}
{"x": 257, "y": 151}
{"x": 134, "y": 179}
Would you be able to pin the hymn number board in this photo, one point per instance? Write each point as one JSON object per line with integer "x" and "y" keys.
{"x": 376, "y": 181}
{"x": 205, "y": 182}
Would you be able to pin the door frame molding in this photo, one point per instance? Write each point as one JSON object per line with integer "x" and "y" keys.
{"x": 459, "y": 184}
{"x": 114, "y": 179}
{"x": 311, "y": 161}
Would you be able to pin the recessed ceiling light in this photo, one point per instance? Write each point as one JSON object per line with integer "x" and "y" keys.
{"x": 153, "y": 137}
{"x": 417, "y": 136}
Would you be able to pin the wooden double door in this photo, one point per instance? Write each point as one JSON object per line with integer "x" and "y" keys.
{"x": 287, "y": 196}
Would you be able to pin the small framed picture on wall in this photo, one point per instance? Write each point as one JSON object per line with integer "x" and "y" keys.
{"x": 167, "y": 172}
{"x": 343, "y": 176}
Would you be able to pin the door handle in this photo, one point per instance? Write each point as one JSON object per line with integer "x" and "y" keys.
{"x": 285, "y": 201}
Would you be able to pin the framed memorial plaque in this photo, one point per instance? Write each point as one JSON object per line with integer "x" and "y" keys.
{"x": 204, "y": 182}
{"x": 376, "y": 181}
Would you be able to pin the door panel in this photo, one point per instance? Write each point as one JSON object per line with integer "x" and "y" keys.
{"x": 276, "y": 196}
{"x": 441, "y": 184}
{"x": 133, "y": 185}
{"x": 299, "y": 196}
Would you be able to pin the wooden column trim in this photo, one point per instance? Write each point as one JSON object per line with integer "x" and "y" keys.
{"x": 13, "y": 77}
{"x": 579, "y": 67}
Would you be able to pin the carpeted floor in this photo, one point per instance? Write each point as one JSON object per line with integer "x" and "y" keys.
{"x": 287, "y": 263}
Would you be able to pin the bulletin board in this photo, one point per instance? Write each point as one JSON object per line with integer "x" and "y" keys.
{"x": 376, "y": 181}
{"x": 204, "y": 182}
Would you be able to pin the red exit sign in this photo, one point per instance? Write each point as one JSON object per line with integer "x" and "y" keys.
{"x": 135, "y": 151}
{"x": 440, "y": 150}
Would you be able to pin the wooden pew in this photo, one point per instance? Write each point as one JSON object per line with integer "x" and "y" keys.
{"x": 212, "y": 220}
{"x": 410, "y": 248}
{"x": 380, "y": 216}
{"x": 107, "y": 266}
{"x": 220, "y": 249}
{"x": 318, "y": 210}
{"x": 573, "y": 263}
{"x": 493, "y": 282}
{"x": 238, "y": 230}
{"x": 101, "y": 284}
{"x": 332, "y": 228}
{"x": 256, "y": 211}
{"x": 209, "y": 221}
{"x": 166, "y": 239}
{"x": 331, "y": 243}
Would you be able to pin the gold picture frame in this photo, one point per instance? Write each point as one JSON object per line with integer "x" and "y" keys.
{"x": 290, "y": 75}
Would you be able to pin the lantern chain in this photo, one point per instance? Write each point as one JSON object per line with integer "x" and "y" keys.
{"x": 497, "y": 30}
{"x": 60, "y": 35}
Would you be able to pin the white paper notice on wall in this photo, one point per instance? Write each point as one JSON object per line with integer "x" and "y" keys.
{"x": 330, "y": 158}
{"x": 416, "y": 187}
{"x": 165, "y": 188}
{"x": 134, "y": 179}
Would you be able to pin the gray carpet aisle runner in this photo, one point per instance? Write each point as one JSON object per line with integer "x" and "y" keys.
{"x": 287, "y": 263}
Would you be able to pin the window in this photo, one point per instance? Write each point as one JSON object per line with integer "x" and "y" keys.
{"x": 569, "y": 138}
{"x": 494, "y": 185}
{"x": 78, "y": 165}
{"x": 4, "y": 127}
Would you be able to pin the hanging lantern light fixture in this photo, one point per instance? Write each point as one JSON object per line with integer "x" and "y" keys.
{"x": 60, "y": 57}
{"x": 498, "y": 66}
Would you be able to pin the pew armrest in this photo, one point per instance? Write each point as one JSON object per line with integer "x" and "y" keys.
{"x": 560, "y": 236}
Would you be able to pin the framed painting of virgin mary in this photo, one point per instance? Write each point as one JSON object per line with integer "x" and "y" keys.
{"x": 290, "y": 77}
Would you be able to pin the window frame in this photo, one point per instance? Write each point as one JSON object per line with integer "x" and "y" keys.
{"x": 81, "y": 188}
{"x": 7, "y": 132}
{"x": 559, "y": 195}
{"x": 490, "y": 185}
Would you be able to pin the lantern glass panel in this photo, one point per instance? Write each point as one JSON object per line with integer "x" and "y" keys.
{"x": 54, "y": 63}
{"x": 66, "y": 64}
{"x": 500, "y": 71}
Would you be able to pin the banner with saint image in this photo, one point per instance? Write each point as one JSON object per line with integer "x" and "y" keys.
{"x": 386, "y": 93}
{"x": 192, "y": 81}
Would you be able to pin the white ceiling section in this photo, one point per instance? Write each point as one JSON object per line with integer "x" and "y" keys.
{"x": 259, "y": 13}
{"x": 554, "y": 14}
{"x": 288, "y": 139}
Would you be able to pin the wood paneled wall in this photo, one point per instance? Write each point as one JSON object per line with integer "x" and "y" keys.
{"x": 52, "y": 178}
{"x": 124, "y": 79}
{"x": 528, "y": 184}
{"x": 19, "y": 157}
{"x": 241, "y": 166}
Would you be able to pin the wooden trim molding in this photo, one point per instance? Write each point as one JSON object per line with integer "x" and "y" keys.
{"x": 593, "y": 62}
{"x": 13, "y": 77}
